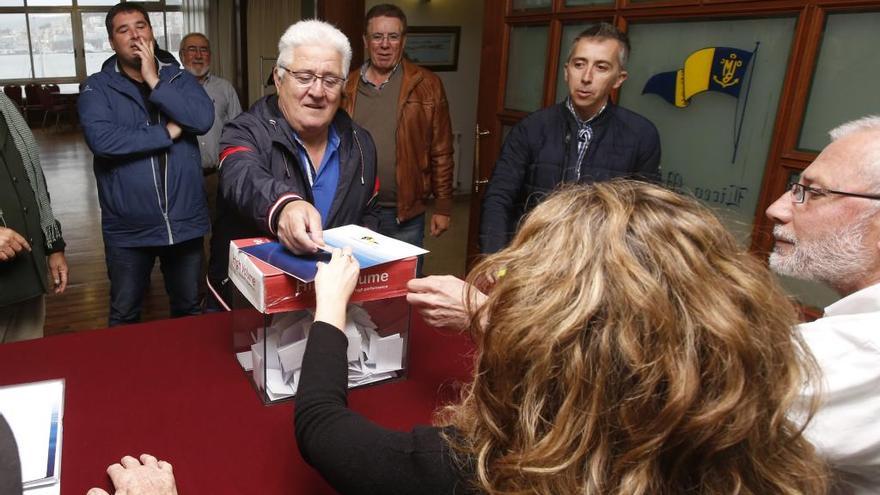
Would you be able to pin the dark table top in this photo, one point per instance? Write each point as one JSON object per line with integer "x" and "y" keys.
{"x": 174, "y": 389}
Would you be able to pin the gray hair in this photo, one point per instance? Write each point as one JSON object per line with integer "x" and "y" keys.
{"x": 312, "y": 32}
{"x": 604, "y": 31}
{"x": 190, "y": 35}
{"x": 870, "y": 166}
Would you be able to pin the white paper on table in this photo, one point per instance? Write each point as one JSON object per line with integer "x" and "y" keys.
{"x": 245, "y": 359}
{"x": 35, "y": 413}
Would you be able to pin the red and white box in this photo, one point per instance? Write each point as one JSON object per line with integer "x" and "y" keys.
{"x": 270, "y": 290}
{"x": 272, "y": 315}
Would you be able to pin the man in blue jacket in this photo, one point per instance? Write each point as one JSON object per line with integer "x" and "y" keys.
{"x": 140, "y": 116}
{"x": 585, "y": 138}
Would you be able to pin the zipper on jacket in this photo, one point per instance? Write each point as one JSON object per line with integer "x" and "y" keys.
{"x": 165, "y": 213}
{"x": 360, "y": 150}
{"x": 163, "y": 210}
{"x": 283, "y": 157}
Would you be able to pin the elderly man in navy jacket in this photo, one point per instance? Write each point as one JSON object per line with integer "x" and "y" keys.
{"x": 294, "y": 163}
{"x": 141, "y": 114}
{"x": 585, "y": 138}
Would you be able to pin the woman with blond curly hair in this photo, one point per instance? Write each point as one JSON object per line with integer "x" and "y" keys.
{"x": 627, "y": 345}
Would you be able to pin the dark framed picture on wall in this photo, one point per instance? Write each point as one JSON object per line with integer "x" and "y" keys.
{"x": 434, "y": 47}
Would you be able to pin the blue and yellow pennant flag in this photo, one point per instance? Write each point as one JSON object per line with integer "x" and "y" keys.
{"x": 718, "y": 68}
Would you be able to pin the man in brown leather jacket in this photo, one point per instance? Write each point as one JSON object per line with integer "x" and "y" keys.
{"x": 415, "y": 148}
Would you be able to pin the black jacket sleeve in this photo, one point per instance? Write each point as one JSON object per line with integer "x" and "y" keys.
{"x": 500, "y": 205}
{"x": 353, "y": 454}
{"x": 246, "y": 179}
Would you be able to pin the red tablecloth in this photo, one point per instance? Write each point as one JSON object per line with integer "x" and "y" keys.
{"x": 174, "y": 389}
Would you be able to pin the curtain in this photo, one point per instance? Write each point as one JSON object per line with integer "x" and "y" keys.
{"x": 195, "y": 16}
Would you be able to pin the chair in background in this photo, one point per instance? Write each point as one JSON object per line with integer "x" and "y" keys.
{"x": 13, "y": 92}
{"x": 33, "y": 101}
{"x": 51, "y": 103}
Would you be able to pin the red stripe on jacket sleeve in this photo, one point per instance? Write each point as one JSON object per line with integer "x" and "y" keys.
{"x": 231, "y": 150}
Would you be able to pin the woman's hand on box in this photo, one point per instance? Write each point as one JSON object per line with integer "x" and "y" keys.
{"x": 334, "y": 284}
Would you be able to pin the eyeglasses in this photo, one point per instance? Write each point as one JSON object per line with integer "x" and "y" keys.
{"x": 305, "y": 79}
{"x": 378, "y": 38}
{"x": 197, "y": 49}
{"x": 799, "y": 193}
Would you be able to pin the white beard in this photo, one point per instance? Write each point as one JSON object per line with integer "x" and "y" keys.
{"x": 199, "y": 73}
{"x": 838, "y": 259}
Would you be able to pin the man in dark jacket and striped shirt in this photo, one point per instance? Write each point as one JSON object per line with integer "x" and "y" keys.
{"x": 140, "y": 115}
{"x": 585, "y": 138}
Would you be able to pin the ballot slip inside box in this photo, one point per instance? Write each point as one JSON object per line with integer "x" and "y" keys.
{"x": 273, "y": 312}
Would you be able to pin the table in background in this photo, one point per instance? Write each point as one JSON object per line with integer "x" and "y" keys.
{"x": 174, "y": 389}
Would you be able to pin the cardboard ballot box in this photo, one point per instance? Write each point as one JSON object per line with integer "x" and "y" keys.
{"x": 273, "y": 313}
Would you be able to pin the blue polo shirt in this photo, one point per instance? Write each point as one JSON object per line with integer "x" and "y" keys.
{"x": 325, "y": 181}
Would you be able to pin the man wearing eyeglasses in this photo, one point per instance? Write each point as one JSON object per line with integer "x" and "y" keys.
{"x": 195, "y": 55}
{"x": 294, "y": 164}
{"x": 828, "y": 230}
{"x": 405, "y": 109}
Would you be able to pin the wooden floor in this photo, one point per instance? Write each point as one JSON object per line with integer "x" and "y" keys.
{"x": 67, "y": 164}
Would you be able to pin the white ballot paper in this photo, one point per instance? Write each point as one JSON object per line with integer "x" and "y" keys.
{"x": 34, "y": 412}
{"x": 371, "y": 358}
{"x": 370, "y": 248}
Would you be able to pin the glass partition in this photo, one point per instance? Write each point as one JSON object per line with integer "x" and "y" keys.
{"x": 840, "y": 90}
{"x": 525, "y": 68}
{"x": 700, "y": 153}
{"x": 699, "y": 139}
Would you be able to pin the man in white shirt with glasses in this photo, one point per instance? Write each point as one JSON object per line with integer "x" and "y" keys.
{"x": 828, "y": 230}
